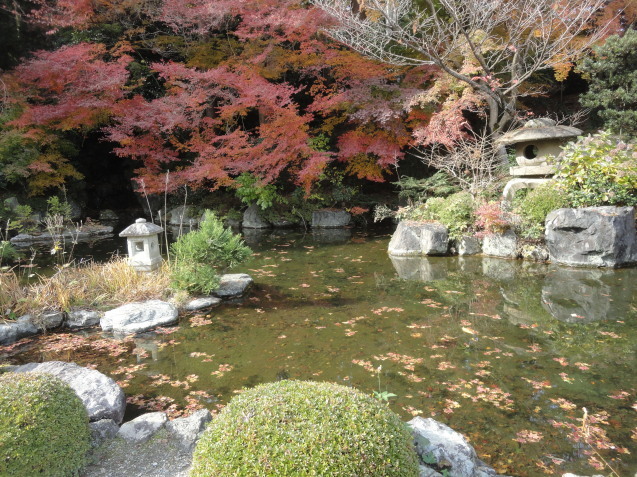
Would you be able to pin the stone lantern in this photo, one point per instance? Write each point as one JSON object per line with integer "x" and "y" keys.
{"x": 143, "y": 245}
{"x": 534, "y": 143}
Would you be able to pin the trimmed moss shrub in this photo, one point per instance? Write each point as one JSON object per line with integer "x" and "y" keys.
{"x": 201, "y": 253}
{"x": 535, "y": 206}
{"x": 43, "y": 426}
{"x": 294, "y": 428}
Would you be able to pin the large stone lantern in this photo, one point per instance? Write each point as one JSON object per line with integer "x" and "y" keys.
{"x": 535, "y": 143}
{"x": 143, "y": 245}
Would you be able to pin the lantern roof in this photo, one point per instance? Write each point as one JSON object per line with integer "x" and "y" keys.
{"x": 141, "y": 228}
{"x": 537, "y": 130}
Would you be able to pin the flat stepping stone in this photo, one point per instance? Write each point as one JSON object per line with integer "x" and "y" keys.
{"x": 139, "y": 317}
{"x": 233, "y": 285}
{"x": 202, "y": 303}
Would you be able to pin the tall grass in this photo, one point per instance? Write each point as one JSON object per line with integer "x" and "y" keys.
{"x": 93, "y": 285}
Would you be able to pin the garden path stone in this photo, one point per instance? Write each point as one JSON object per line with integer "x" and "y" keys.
{"x": 330, "y": 218}
{"x": 233, "y": 285}
{"x": 142, "y": 427}
{"x": 188, "y": 430}
{"x": 592, "y": 236}
{"x": 202, "y": 303}
{"x": 413, "y": 238}
{"x": 139, "y": 317}
{"x": 101, "y": 396}
{"x": 12, "y": 331}
{"x": 82, "y": 318}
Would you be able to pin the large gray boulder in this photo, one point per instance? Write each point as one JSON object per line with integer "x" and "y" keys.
{"x": 188, "y": 430}
{"x": 233, "y": 285}
{"x": 432, "y": 438}
{"x": 418, "y": 238}
{"x": 142, "y": 427}
{"x": 101, "y": 396}
{"x": 327, "y": 218}
{"x": 501, "y": 245}
{"x": 469, "y": 245}
{"x": 139, "y": 317}
{"x": 184, "y": 215}
{"x": 252, "y": 218}
{"x": 102, "y": 430}
{"x": 82, "y": 318}
{"x": 592, "y": 236}
{"x": 12, "y": 331}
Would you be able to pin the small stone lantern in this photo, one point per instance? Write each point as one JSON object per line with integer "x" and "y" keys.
{"x": 534, "y": 143}
{"x": 143, "y": 245}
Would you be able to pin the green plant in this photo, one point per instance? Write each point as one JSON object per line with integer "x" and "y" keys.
{"x": 535, "y": 206}
{"x": 250, "y": 191}
{"x": 44, "y": 427}
{"x": 599, "y": 169}
{"x": 293, "y": 428}
{"x": 382, "y": 395}
{"x": 198, "y": 255}
{"x": 418, "y": 190}
{"x": 23, "y": 220}
{"x": 8, "y": 252}
{"x": 612, "y": 88}
{"x": 55, "y": 206}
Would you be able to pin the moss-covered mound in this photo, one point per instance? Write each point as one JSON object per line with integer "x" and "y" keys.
{"x": 43, "y": 426}
{"x": 294, "y": 428}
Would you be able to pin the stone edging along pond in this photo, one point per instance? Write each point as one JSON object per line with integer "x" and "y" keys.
{"x": 586, "y": 237}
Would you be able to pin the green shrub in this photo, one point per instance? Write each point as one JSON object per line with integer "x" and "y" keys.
{"x": 8, "y": 252}
{"x": 43, "y": 426}
{"x": 599, "y": 169}
{"x": 535, "y": 206}
{"x": 456, "y": 212}
{"x": 294, "y": 428}
{"x": 250, "y": 191}
{"x": 199, "y": 255}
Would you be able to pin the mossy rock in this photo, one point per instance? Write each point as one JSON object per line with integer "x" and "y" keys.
{"x": 293, "y": 428}
{"x": 43, "y": 426}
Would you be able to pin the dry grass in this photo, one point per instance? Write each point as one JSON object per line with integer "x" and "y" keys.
{"x": 93, "y": 285}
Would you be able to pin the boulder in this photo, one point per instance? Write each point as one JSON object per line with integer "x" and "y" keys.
{"x": 139, "y": 317}
{"x": 50, "y": 320}
{"x": 327, "y": 218}
{"x": 188, "y": 430}
{"x": 12, "y": 331}
{"x": 12, "y": 204}
{"x": 108, "y": 215}
{"x": 469, "y": 245}
{"x": 450, "y": 449}
{"x": 101, "y": 396}
{"x": 82, "y": 318}
{"x": 142, "y": 427}
{"x": 233, "y": 285}
{"x": 417, "y": 238}
{"x": 77, "y": 213}
{"x": 202, "y": 303}
{"x": 183, "y": 215}
{"x": 102, "y": 430}
{"x": 592, "y": 236}
{"x": 537, "y": 253}
{"x": 252, "y": 218}
{"x": 501, "y": 245}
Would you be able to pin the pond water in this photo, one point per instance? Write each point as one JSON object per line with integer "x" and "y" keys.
{"x": 506, "y": 352}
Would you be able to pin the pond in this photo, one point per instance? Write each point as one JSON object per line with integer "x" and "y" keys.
{"x": 507, "y": 352}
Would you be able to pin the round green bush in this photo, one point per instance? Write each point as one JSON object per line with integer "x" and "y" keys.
{"x": 43, "y": 426}
{"x": 293, "y": 428}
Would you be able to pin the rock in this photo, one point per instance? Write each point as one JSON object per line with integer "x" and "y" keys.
{"x": 87, "y": 232}
{"x": 284, "y": 223}
{"x": 107, "y": 215}
{"x": 201, "y": 303}
{"x": 501, "y": 245}
{"x": 424, "y": 471}
{"x": 142, "y": 427}
{"x": 102, "y": 430}
{"x": 593, "y": 236}
{"x": 12, "y": 331}
{"x": 139, "y": 317}
{"x": 568, "y": 474}
{"x": 233, "y": 285}
{"x": 101, "y": 396}
{"x": 417, "y": 238}
{"x": 187, "y": 430}
{"x": 537, "y": 253}
{"x": 252, "y": 218}
{"x": 183, "y": 215}
{"x": 433, "y": 438}
{"x": 50, "y": 320}
{"x": 468, "y": 245}
{"x": 82, "y": 318}
{"x": 76, "y": 210}
{"x": 11, "y": 203}
{"x": 327, "y": 218}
